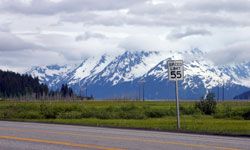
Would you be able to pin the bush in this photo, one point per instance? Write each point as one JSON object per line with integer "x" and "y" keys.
{"x": 190, "y": 110}
{"x": 208, "y": 105}
{"x": 1, "y": 115}
{"x": 30, "y": 115}
{"x": 171, "y": 111}
{"x": 9, "y": 114}
{"x": 69, "y": 115}
{"x": 246, "y": 115}
{"x": 88, "y": 112}
{"x": 105, "y": 113}
{"x": 130, "y": 107}
{"x": 48, "y": 112}
{"x": 155, "y": 113}
{"x": 122, "y": 112}
{"x": 134, "y": 114}
{"x": 102, "y": 114}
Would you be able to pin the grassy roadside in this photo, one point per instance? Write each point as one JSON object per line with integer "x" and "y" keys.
{"x": 149, "y": 115}
{"x": 203, "y": 124}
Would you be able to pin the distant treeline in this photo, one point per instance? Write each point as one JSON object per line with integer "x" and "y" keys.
{"x": 16, "y": 86}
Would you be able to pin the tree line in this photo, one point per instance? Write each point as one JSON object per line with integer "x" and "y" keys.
{"x": 16, "y": 86}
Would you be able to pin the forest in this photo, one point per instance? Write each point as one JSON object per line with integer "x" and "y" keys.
{"x": 22, "y": 86}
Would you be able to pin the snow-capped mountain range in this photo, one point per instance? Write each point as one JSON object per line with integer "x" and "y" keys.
{"x": 110, "y": 76}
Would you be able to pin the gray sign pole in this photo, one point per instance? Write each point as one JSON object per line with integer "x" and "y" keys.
{"x": 177, "y": 105}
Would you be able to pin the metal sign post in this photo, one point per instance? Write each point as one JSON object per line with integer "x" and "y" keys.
{"x": 175, "y": 73}
{"x": 177, "y": 105}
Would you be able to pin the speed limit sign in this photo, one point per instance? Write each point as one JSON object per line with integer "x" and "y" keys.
{"x": 176, "y": 73}
{"x": 175, "y": 70}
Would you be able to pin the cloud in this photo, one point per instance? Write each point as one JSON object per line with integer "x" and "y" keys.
{"x": 239, "y": 6}
{"x": 48, "y": 7}
{"x": 74, "y": 50}
{"x": 153, "y": 9}
{"x": 148, "y": 43}
{"x": 69, "y": 30}
{"x": 5, "y": 27}
{"x": 234, "y": 53}
{"x": 176, "y": 34}
{"x": 10, "y": 42}
{"x": 110, "y": 18}
{"x": 137, "y": 12}
{"x": 89, "y": 35}
{"x": 19, "y": 60}
{"x": 151, "y": 15}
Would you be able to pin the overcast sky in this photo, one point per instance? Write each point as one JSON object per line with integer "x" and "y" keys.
{"x": 41, "y": 32}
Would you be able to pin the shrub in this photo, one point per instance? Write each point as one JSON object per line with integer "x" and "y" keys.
{"x": 208, "y": 105}
{"x": 133, "y": 114}
{"x": 130, "y": 107}
{"x": 122, "y": 112}
{"x": 9, "y": 114}
{"x": 246, "y": 115}
{"x": 102, "y": 114}
{"x": 48, "y": 112}
{"x": 88, "y": 112}
{"x": 189, "y": 110}
{"x": 69, "y": 115}
{"x": 227, "y": 111}
{"x": 1, "y": 115}
{"x": 30, "y": 115}
{"x": 155, "y": 113}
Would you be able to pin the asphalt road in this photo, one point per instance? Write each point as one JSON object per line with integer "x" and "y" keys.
{"x": 38, "y": 136}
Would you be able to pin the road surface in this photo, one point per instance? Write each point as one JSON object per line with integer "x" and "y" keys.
{"x": 38, "y": 136}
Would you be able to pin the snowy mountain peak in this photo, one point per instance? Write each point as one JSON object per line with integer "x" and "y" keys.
{"x": 197, "y": 51}
{"x": 49, "y": 74}
{"x": 130, "y": 66}
{"x": 47, "y": 70}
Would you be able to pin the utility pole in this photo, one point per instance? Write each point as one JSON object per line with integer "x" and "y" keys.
{"x": 143, "y": 99}
{"x": 86, "y": 90}
{"x": 141, "y": 84}
{"x": 80, "y": 90}
{"x": 218, "y": 92}
{"x": 139, "y": 92}
{"x": 223, "y": 91}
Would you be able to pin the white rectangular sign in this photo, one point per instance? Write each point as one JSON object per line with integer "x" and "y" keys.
{"x": 175, "y": 70}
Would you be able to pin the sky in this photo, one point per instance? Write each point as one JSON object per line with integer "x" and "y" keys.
{"x": 43, "y": 32}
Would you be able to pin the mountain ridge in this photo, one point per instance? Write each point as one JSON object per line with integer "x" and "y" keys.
{"x": 121, "y": 73}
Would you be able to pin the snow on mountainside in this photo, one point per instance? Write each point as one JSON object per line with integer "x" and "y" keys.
{"x": 127, "y": 67}
{"x": 237, "y": 73}
{"x": 87, "y": 69}
{"x": 195, "y": 66}
{"x": 131, "y": 66}
{"x": 48, "y": 74}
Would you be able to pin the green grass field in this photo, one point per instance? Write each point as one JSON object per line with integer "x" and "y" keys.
{"x": 227, "y": 119}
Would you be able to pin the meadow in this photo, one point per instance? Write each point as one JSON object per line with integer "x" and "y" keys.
{"x": 230, "y": 118}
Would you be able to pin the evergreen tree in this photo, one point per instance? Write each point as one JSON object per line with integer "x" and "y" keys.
{"x": 14, "y": 85}
{"x": 66, "y": 91}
